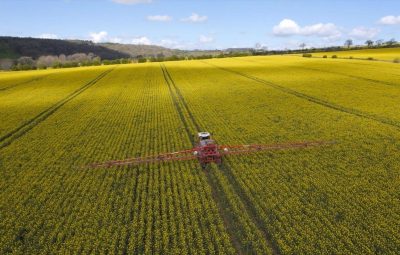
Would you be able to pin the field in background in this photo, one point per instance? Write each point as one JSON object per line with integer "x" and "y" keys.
{"x": 342, "y": 199}
{"x": 387, "y": 54}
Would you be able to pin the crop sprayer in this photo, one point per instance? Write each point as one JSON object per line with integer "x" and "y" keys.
{"x": 208, "y": 151}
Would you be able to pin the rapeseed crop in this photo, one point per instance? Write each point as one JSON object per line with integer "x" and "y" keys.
{"x": 341, "y": 199}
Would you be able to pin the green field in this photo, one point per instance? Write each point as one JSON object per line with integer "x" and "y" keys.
{"x": 341, "y": 199}
{"x": 386, "y": 54}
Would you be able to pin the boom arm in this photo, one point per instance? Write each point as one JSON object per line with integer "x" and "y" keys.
{"x": 250, "y": 148}
{"x": 192, "y": 154}
{"x": 173, "y": 156}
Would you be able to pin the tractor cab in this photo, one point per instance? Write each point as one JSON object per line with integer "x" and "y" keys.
{"x": 204, "y": 138}
{"x": 207, "y": 150}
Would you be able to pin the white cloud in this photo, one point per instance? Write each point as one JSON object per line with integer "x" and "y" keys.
{"x": 288, "y": 27}
{"x": 162, "y": 18}
{"x": 390, "y": 20}
{"x": 98, "y": 37}
{"x": 115, "y": 40}
{"x": 132, "y": 1}
{"x": 102, "y": 36}
{"x": 48, "y": 36}
{"x": 168, "y": 43}
{"x": 205, "y": 39}
{"x": 203, "y": 42}
{"x": 195, "y": 18}
{"x": 143, "y": 40}
{"x": 363, "y": 32}
{"x": 320, "y": 29}
{"x": 176, "y": 43}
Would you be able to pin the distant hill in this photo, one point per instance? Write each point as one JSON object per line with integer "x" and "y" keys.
{"x": 135, "y": 50}
{"x": 15, "y": 47}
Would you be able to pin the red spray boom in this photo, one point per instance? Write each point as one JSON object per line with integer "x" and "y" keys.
{"x": 208, "y": 151}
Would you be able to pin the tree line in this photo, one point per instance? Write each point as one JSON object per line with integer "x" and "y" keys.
{"x": 349, "y": 45}
{"x": 83, "y": 59}
{"x": 90, "y": 59}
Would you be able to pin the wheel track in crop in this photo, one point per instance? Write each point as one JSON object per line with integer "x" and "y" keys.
{"x": 10, "y": 137}
{"x": 23, "y": 83}
{"x": 218, "y": 200}
{"x": 251, "y": 209}
{"x": 215, "y": 195}
{"x": 351, "y": 76}
{"x": 217, "y": 192}
{"x": 312, "y": 99}
{"x": 176, "y": 104}
{"x": 333, "y": 72}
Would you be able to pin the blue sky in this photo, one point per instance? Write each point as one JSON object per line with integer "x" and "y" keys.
{"x": 204, "y": 24}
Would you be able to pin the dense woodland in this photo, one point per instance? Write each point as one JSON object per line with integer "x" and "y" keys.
{"x": 14, "y": 47}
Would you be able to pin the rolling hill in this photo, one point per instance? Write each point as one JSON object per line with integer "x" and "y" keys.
{"x": 15, "y": 47}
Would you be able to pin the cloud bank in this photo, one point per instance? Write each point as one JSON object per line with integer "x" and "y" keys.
{"x": 288, "y": 27}
{"x": 363, "y": 33}
{"x": 390, "y": 20}
{"x": 161, "y": 18}
{"x": 205, "y": 39}
{"x": 98, "y": 37}
{"x": 48, "y": 36}
{"x": 195, "y": 18}
{"x": 143, "y": 40}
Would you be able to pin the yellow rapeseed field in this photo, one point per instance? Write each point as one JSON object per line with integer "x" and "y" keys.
{"x": 341, "y": 199}
{"x": 387, "y": 54}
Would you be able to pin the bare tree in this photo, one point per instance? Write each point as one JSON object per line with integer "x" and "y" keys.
{"x": 348, "y": 43}
{"x": 302, "y": 46}
{"x": 77, "y": 58}
{"x": 257, "y": 46}
{"x": 46, "y": 61}
{"x": 391, "y": 42}
{"x": 26, "y": 61}
{"x": 369, "y": 43}
{"x": 379, "y": 42}
{"x": 6, "y": 64}
{"x": 62, "y": 58}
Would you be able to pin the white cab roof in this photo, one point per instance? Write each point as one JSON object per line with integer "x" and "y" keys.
{"x": 203, "y": 134}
